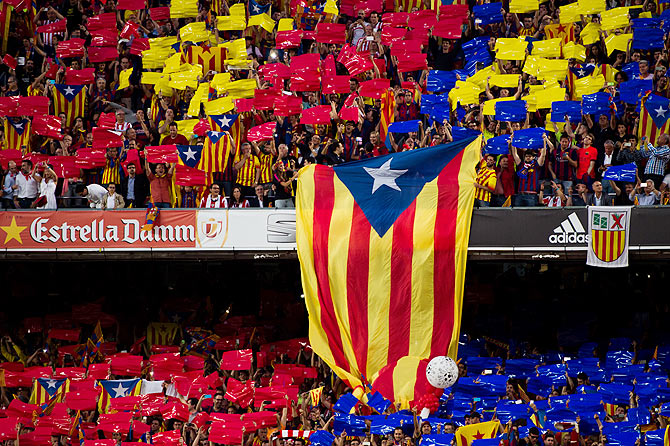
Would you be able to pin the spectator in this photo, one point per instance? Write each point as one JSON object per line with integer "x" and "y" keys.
{"x": 9, "y": 187}
{"x": 248, "y": 170}
{"x": 563, "y": 162}
{"x": 160, "y": 184}
{"x": 134, "y": 187}
{"x": 26, "y": 186}
{"x": 528, "y": 173}
{"x": 94, "y": 193}
{"x": 236, "y": 200}
{"x": 261, "y": 199}
{"x": 47, "y": 189}
{"x": 174, "y": 137}
{"x": 485, "y": 182}
{"x": 112, "y": 200}
{"x": 658, "y": 158}
{"x": 598, "y": 198}
{"x": 214, "y": 199}
{"x": 646, "y": 195}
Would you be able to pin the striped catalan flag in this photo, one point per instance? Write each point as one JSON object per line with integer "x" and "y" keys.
{"x": 654, "y": 116}
{"x": 71, "y": 100}
{"x": 230, "y": 123}
{"x": 116, "y": 388}
{"x": 382, "y": 245}
{"x": 387, "y": 113}
{"x": 45, "y": 389}
{"x": 666, "y": 437}
{"x": 215, "y": 152}
{"x": 17, "y": 134}
{"x": 5, "y": 25}
{"x": 564, "y": 31}
{"x": 211, "y": 58}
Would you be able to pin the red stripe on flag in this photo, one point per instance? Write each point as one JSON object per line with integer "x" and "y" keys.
{"x": 596, "y": 243}
{"x": 324, "y": 198}
{"x": 444, "y": 262}
{"x": 358, "y": 268}
{"x": 400, "y": 310}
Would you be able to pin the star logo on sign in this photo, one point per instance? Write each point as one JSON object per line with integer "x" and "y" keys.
{"x": 69, "y": 91}
{"x": 224, "y": 122}
{"x": 120, "y": 391}
{"x": 190, "y": 154}
{"x": 13, "y": 231}
{"x": 51, "y": 383}
{"x": 384, "y": 176}
{"x": 660, "y": 111}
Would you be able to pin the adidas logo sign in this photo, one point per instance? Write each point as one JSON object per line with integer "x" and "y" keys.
{"x": 570, "y": 231}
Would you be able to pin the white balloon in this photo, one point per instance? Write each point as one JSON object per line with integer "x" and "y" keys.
{"x": 442, "y": 372}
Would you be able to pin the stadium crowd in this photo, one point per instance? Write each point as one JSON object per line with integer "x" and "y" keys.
{"x": 213, "y": 104}
{"x": 68, "y": 380}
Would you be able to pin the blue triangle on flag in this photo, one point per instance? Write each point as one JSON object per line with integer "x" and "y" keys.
{"x": 69, "y": 91}
{"x": 117, "y": 388}
{"x": 659, "y": 110}
{"x": 385, "y": 186}
{"x": 19, "y": 126}
{"x": 215, "y": 136}
{"x": 51, "y": 386}
{"x": 255, "y": 8}
{"x": 190, "y": 155}
{"x": 224, "y": 122}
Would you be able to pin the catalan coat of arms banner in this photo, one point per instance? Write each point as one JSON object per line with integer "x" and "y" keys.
{"x": 609, "y": 228}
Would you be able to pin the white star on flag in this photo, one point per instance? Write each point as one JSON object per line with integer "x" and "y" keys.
{"x": 214, "y": 134}
{"x": 384, "y": 176}
{"x": 19, "y": 126}
{"x": 120, "y": 391}
{"x": 581, "y": 72}
{"x": 190, "y": 153}
{"x": 69, "y": 91}
{"x": 51, "y": 383}
{"x": 225, "y": 122}
{"x": 256, "y": 9}
{"x": 660, "y": 111}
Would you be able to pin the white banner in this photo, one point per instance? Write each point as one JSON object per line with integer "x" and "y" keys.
{"x": 609, "y": 230}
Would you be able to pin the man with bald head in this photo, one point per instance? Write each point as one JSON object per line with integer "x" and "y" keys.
{"x": 658, "y": 158}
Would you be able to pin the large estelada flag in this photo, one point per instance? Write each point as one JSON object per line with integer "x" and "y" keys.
{"x": 609, "y": 229}
{"x": 71, "y": 100}
{"x": 46, "y": 388}
{"x": 382, "y": 246}
{"x": 117, "y": 388}
{"x": 654, "y": 115}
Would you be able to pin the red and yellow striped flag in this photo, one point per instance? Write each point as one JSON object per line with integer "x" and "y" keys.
{"x": 5, "y": 25}
{"x": 387, "y": 113}
{"x": 652, "y": 123}
{"x": 382, "y": 246}
{"x": 17, "y": 134}
{"x": 565, "y": 31}
{"x": 211, "y": 58}
{"x": 465, "y": 435}
{"x": 71, "y": 100}
{"x": 45, "y": 390}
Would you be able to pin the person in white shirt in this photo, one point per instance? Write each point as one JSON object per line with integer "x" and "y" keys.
{"x": 26, "y": 186}
{"x": 112, "y": 200}
{"x": 94, "y": 193}
{"x": 47, "y": 185}
{"x": 357, "y": 29}
{"x": 214, "y": 200}
{"x": 121, "y": 124}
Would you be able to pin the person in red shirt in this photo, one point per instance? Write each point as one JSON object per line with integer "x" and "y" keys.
{"x": 586, "y": 169}
{"x": 504, "y": 182}
{"x": 174, "y": 137}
